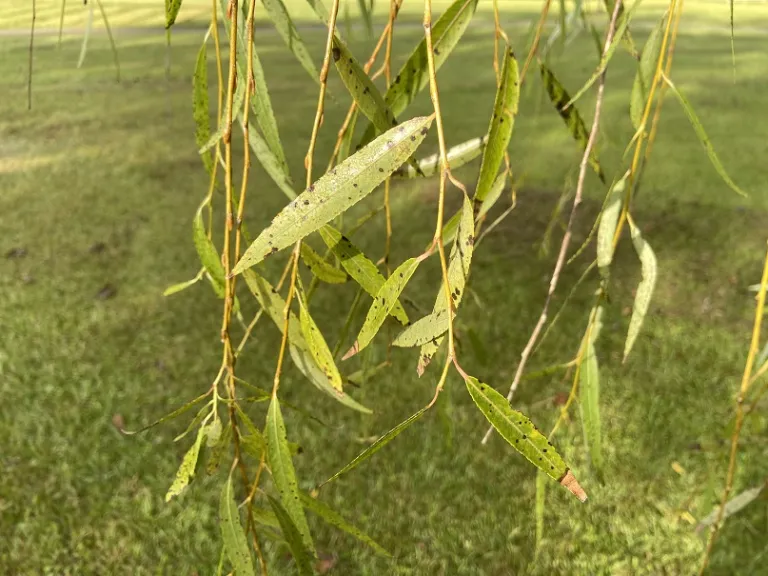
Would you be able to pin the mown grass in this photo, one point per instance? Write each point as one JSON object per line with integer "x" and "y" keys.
{"x": 98, "y": 184}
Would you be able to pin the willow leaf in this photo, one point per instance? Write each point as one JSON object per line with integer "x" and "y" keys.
{"x": 283, "y": 473}
{"x": 178, "y": 412}
{"x": 570, "y": 115}
{"x": 201, "y": 111}
{"x": 299, "y": 550}
{"x": 346, "y": 140}
{"x": 609, "y": 219}
{"x": 201, "y": 415}
{"x": 493, "y": 194}
{"x": 704, "y": 139}
{"x": 86, "y": 36}
{"x": 458, "y": 273}
{"x": 320, "y": 268}
{"x": 217, "y": 450}
{"x": 629, "y": 43}
{"x": 644, "y": 293}
{"x": 541, "y": 500}
{"x": 383, "y": 303}
{"x": 500, "y": 129}
{"x": 274, "y": 305}
{"x": 589, "y": 405}
{"x": 274, "y": 168}
{"x": 458, "y": 156}
{"x": 359, "y": 267}
{"x": 320, "y": 10}
{"x": 209, "y": 257}
{"x": 232, "y": 533}
{"x": 519, "y": 431}
{"x": 377, "y": 445}
{"x": 414, "y": 75}
{"x": 173, "y": 289}
{"x": 645, "y": 73}
{"x": 237, "y": 104}
{"x": 277, "y": 12}
{"x": 187, "y": 468}
{"x": 318, "y": 347}
{"x": 423, "y": 330}
{"x": 335, "y": 519}
{"x": 359, "y": 377}
{"x": 734, "y": 505}
{"x": 265, "y": 517}
{"x": 307, "y": 366}
{"x": 337, "y": 190}
{"x": 172, "y": 8}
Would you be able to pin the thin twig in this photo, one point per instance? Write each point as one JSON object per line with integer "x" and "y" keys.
{"x": 31, "y": 49}
{"x": 746, "y": 380}
{"x": 569, "y": 229}
{"x": 536, "y": 39}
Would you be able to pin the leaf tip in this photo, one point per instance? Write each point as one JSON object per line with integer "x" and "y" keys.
{"x": 352, "y": 351}
{"x": 572, "y": 485}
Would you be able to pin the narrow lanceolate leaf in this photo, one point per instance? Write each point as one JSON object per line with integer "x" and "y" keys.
{"x": 734, "y": 505}
{"x": 217, "y": 450}
{"x": 172, "y": 8}
{"x": 704, "y": 139}
{"x": 541, "y": 499}
{"x": 346, "y": 141}
{"x": 645, "y": 72}
{"x": 178, "y": 412}
{"x": 423, "y": 330}
{"x": 86, "y": 36}
{"x": 277, "y": 12}
{"x": 377, "y": 445}
{"x": 173, "y": 289}
{"x": 301, "y": 554}
{"x": 458, "y": 273}
{"x": 283, "y": 473}
{"x": 360, "y": 377}
{"x": 493, "y": 194}
{"x": 274, "y": 305}
{"x": 201, "y": 112}
{"x": 337, "y": 190}
{"x": 318, "y": 347}
{"x": 519, "y": 431}
{"x": 237, "y": 104}
{"x": 414, "y": 75}
{"x": 644, "y": 292}
{"x": 500, "y": 129}
{"x": 271, "y": 164}
{"x": 320, "y": 9}
{"x": 307, "y": 366}
{"x": 232, "y": 533}
{"x": 383, "y": 304}
{"x": 209, "y": 257}
{"x": 629, "y": 43}
{"x": 201, "y": 415}
{"x": 187, "y": 469}
{"x": 335, "y": 519}
{"x": 458, "y": 156}
{"x": 324, "y": 271}
{"x": 570, "y": 115}
{"x": 359, "y": 267}
{"x": 608, "y": 222}
{"x": 589, "y": 403}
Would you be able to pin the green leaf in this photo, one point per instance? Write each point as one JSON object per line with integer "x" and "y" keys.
{"x": 307, "y": 366}
{"x": 609, "y": 219}
{"x": 320, "y": 9}
{"x": 500, "y": 129}
{"x": 458, "y": 156}
{"x": 253, "y": 442}
{"x": 629, "y": 44}
{"x": 274, "y": 305}
{"x": 589, "y": 400}
{"x": 209, "y": 257}
{"x": 541, "y": 496}
{"x": 272, "y": 166}
{"x": 359, "y": 267}
{"x": 173, "y": 289}
{"x": 570, "y": 115}
{"x": 196, "y": 421}
{"x": 458, "y": 274}
{"x": 423, "y": 330}
{"x": 324, "y": 271}
{"x": 493, "y": 194}
{"x": 337, "y": 190}
{"x": 232, "y": 533}
{"x": 346, "y": 141}
{"x": 318, "y": 347}
{"x": 178, "y": 412}
{"x": 360, "y": 377}
{"x": 283, "y": 473}
{"x": 277, "y": 12}
{"x": 377, "y": 445}
{"x": 734, "y": 505}
{"x": 519, "y": 431}
{"x": 265, "y": 517}
{"x": 172, "y": 8}
{"x": 217, "y": 450}
{"x": 383, "y": 303}
{"x": 644, "y": 292}
{"x": 200, "y": 107}
{"x": 237, "y": 106}
{"x": 645, "y": 72}
{"x": 187, "y": 469}
{"x": 335, "y": 519}
{"x": 704, "y": 139}
{"x": 300, "y": 552}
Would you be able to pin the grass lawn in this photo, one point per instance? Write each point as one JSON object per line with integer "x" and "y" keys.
{"x": 98, "y": 185}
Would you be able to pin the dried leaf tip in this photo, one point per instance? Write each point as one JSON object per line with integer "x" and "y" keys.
{"x": 352, "y": 351}
{"x": 573, "y": 486}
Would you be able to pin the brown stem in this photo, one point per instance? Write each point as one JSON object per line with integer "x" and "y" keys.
{"x": 568, "y": 231}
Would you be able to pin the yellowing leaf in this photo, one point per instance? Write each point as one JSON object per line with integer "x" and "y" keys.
{"x": 209, "y": 257}
{"x": 589, "y": 400}
{"x": 493, "y": 195}
{"x": 645, "y": 73}
{"x": 337, "y": 190}
{"x": 277, "y": 12}
{"x": 570, "y": 115}
{"x": 320, "y": 268}
{"x": 283, "y": 473}
{"x": 232, "y": 533}
{"x": 187, "y": 469}
{"x": 541, "y": 497}
{"x": 644, "y": 293}
{"x": 458, "y": 156}
{"x": 318, "y": 347}
{"x": 301, "y": 554}
{"x": 359, "y": 267}
{"x": 608, "y": 222}
{"x": 519, "y": 431}
{"x": 423, "y": 330}
{"x": 200, "y": 109}
{"x": 383, "y": 303}
{"x": 181, "y": 286}
{"x": 172, "y": 8}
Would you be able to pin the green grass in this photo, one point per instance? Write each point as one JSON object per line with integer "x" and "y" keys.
{"x": 98, "y": 184}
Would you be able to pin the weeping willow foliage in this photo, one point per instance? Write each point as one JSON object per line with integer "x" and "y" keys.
{"x": 254, "y": 509}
